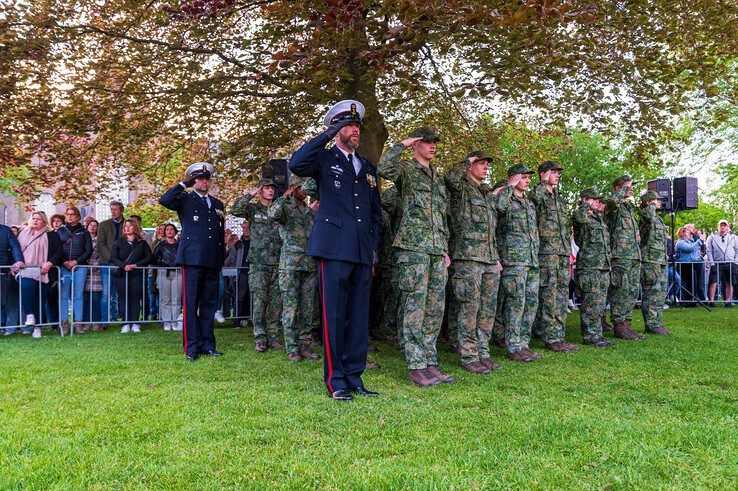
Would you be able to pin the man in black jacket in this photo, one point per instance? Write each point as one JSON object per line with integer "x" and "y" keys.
{"x": 200, "y": 253}
{"x": 10, "y": 255}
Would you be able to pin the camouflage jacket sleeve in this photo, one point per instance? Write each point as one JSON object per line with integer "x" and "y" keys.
{"x": 277, "y": 211}
{"x": 538, "y": 194}
{"x": 614, "y": 200}
{"x": 503, "y": 199}
{"x": 390, "y": 167}
{"x": 455, "y": 175}
{"x": 646, "y": 219}
{"x": 243, "y": 208}
{"x": 579, "y": 221}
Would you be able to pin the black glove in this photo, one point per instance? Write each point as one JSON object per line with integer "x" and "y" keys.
{"x": 333, "y": 129}
{"x": 189, "y": 182}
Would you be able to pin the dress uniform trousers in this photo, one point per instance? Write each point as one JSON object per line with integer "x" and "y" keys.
{"x": 199, "y": 294}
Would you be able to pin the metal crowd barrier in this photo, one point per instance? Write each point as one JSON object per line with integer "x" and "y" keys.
{"x": 10, "y": 296}
{"x": 146, "y": 276}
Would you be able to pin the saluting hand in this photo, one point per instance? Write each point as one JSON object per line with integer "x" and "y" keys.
{"x": 189, "y": 182}
{"x": 408, "y": 142}
{"x": 515, "y": 179}
{"x": 545, "y": 175}
{"x": 333, "y": 129}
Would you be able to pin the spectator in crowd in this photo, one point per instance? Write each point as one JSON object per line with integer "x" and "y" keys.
{"x": 690, "y": 263}
{"x": 57, "y": 221}
{"x": 722, "y": 253}
{"x": 129, "y": 253}
{"x": 675, "y": 279}
{"x": 11, "y": 256}
{"x": 16, "y": 229}
{"x": 168, "y": 279}
{"x": 93, "y": 287}
{"x": 42, "y": 250}
{"x": 108, "y": 232}
{"x": 237, "y": 258}
{"x": 151, "y": 298}
{"x": 76, "y": 250}
{"x": 87, "y": 221}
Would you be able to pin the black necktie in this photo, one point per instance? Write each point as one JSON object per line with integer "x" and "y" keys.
{"x": 205, "y": 199}
{"x": 351, "y": 161}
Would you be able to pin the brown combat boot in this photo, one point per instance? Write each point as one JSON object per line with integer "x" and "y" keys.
{"x": 64, "y": 328}
{"x": 660, "y": 331}
{"x": 623, "y": 332}
{"x": 80, "y": 329}
{"x": 475, "y": 367}
{"x": 519, "y": 356}
{"x": 422, "y": 378}
{"x": 635, "y": 334}
{"x": 294, "y": 356}
{"x": 606, "y": 326}
{"x": 500, "y": 343}
{"x": 307, "y": 354}
{"x": 275, "y": 344}
{"x": 261, "y": 346}
{"x": 532, "y": 354}
{"x": 558, "y": 347}
{"x": 443, "y": 377}
{"x": 487, "y": 362}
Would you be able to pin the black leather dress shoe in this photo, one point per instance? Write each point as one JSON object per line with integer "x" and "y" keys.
{"x": 212, "y": 353}
{"x": 362, "y": 391}
{"x": 342, "y": 395}
{"x": 191, "y": 356}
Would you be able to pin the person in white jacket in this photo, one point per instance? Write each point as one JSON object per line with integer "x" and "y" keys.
{"x": 722, "y": 253}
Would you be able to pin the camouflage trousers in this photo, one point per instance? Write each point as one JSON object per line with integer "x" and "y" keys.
{"x": 519, "y": 305}
{"x": 655, "y": 285}
{"x": 625, "y": 278}
{"x": 421, "y": 279}
{"x": 594, "y": 284}
{"x": 472, "y": 307}
{"x": 384, "y": 303}
{"x": 300, "y": 309}
{"x": 553, "y": 296}
{"x": 266, "y": 301}
{"x": 498, "y": 330}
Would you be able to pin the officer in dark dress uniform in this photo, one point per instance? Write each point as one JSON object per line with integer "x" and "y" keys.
{"x": 200, "y": 255}
{"x": 344, "y": 240}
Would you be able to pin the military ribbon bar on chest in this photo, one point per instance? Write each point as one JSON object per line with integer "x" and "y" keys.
{"x": 371, "y": 180}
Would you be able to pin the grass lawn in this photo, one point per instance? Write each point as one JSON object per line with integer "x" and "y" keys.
{"x": 127, "y": 411}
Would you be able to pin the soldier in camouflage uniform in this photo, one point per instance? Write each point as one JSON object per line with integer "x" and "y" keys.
{"x": 517, "y": 238}
{"x": 626, "y": 258}
{"x": 475, "y": 266}
{"x": 654, "y": 283}
{"x": 422, "y": 259}
{"x": 593, "y": 265}
{"x": 264, "y": 260}
{"x": 384, "y": 309}
{"x": 298, "y": 277}
{"x": 498, "y": 330}
{"x": 553, "y": 257}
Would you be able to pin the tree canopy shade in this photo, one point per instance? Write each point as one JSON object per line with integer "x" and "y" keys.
{"x": 90, "y": 85}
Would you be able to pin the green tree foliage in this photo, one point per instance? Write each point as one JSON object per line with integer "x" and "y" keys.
{"x": 91, "y": 85}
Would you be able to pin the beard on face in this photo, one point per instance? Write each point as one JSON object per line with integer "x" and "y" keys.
{"x": 349, "y": 140}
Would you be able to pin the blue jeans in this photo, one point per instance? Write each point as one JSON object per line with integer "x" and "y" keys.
{"x": 65, "y": 291}
{"x": 32, "y": 294}
{"x": 11, "y": 311}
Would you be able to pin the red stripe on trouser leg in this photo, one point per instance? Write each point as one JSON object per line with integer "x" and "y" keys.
{"x": 184, "y": 310}
{"x": 326, "y": 340}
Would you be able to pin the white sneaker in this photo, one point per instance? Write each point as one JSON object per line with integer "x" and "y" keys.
{"x": 571, "y": 303}
{"x": 167, "y": 326}
{"x": 36, "y": 333}
{"x": 136, "y": 328}
{"x": 219, "y": 317}
{"x": 125, "y": 329}
{"x": 30, "y": 320}
{"x": 666, "y": 306}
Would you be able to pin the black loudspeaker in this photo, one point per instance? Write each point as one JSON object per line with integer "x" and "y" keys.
{"x": 276, "y": 170}
{"x": 662, "y": 187}
{"x": 685, "y": 193}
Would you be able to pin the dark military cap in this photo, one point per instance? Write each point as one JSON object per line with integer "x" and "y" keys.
{"x": 548, "y": 165}
{"x": 266, "y": 182}
{"x": 479, "y": 155}
{"x": 622, "y": 180}
{"x": 519, "y": 169}
{"x": 426, "y": 133}
{"x": 296, "y": 180}
{"x": 590, "y": 193}
{"x": 310, "y": 186}
{"x": 648, "y": 196}
{"x": 500, "y": 184}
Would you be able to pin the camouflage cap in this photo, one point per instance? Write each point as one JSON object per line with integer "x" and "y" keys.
{"x": 266, "y": 182}
{"x": 590, "y": 193}
{"x": 622, "y": 180}
{"x": 548, "y": 165}
{"x": 479, "y": 155}
{"x": 519, "y": 169}
{"x": 648, "y": 196}
{"x": 426, "y": 133}
{"x": 296, "y": 180}
{"x": 310, "y": 187}
{"x": 500, "y": 184}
